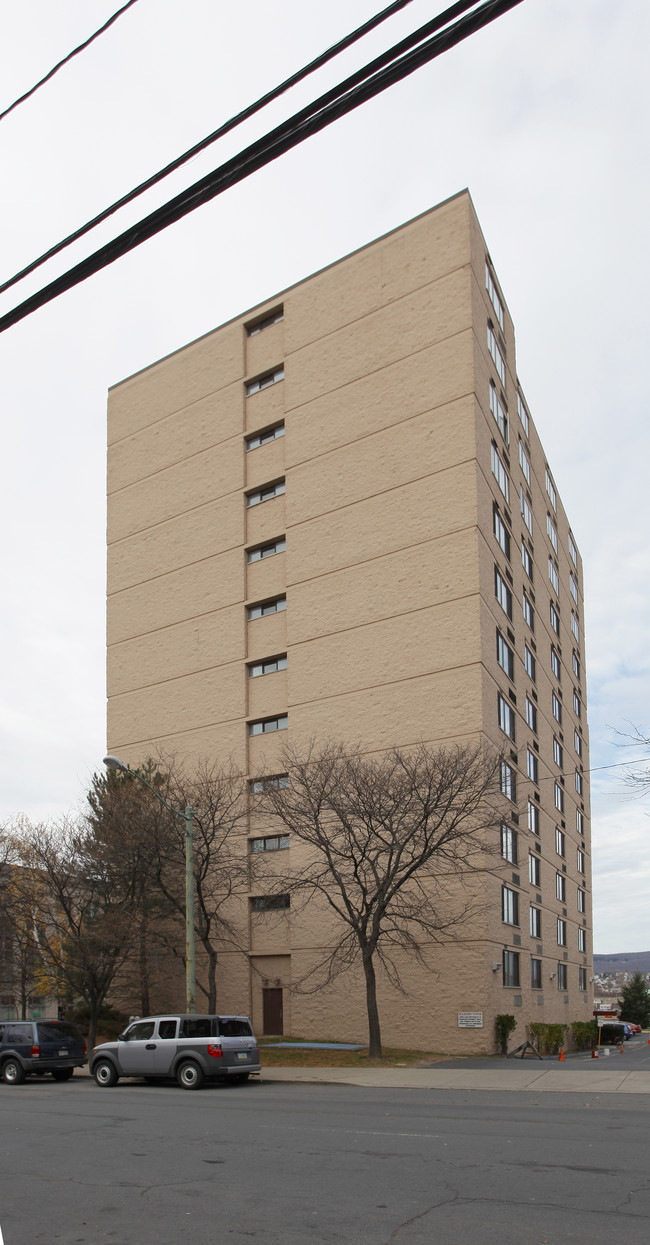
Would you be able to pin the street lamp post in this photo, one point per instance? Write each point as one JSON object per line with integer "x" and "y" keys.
{"x": 187, "y": 815}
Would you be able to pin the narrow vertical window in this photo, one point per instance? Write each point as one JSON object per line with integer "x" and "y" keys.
{"x": 523, "y": 414}
{"x": 524, "y": 463}
{"x": 503, "y": 593}
{"x": 508, "y": 782}
{"x": 550, "y": 489}
{"x": 491, "y": 288}
{"x": 526, "y": 512}
{"x": 497, "y": 357}
{"x": 499, "y": 472}
{"x": 510, "y": 972}
{"x": 499, "y": 412}
{"x": 509, "y": 906}
{"x": 506, "y": 717}
{"x": 500, "y": 531}
{"x": 505, "y": 656}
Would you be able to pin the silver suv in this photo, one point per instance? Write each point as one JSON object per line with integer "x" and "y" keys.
{"x": 190, "y": 1048}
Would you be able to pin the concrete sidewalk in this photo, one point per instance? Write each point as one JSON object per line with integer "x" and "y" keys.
{"x": 578, "y": 1075}
{"x": 585, "y": 1078}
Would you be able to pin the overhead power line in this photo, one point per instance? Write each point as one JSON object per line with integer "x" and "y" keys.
{"x": 454, "y": 11}
{"x": 360, "y": 87}
{"x": 75, "y": 52}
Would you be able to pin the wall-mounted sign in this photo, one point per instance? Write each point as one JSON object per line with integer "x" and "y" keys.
{"x": 470, "y": 1020}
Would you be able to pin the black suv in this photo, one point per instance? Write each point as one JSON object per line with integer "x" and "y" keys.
{"x": 39, "y": 1046}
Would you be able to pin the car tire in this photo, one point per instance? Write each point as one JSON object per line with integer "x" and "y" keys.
{"x": 62, "y": 1074}
{"x": 13, "y": 1072}
{"x": 189, "y": 1075}
{"x": 105, "y": 1074}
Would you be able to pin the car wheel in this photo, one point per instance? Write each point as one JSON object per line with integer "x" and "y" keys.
{"x": 105, "y": 1073}
{"x": 189, "y": 1075}
{"x": 13, "y": 1072}
{"x": 62, "y": 1074}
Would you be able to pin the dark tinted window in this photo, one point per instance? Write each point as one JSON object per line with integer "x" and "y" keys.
{"x": 52, "y": 1030}
{"x": 198, "y": 1027}
{"x": 166, "y": 1028}
{"x": 232, "y": 1026}
{"x": 19, "y": 1033}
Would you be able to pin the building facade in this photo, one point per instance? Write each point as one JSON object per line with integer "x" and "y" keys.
{"x": 333, "y": 518}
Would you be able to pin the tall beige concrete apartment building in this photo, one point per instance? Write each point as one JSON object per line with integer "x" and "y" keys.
{"x": 333, "y": 517}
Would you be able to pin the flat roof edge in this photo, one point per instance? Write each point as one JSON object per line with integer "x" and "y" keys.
{"x": 287, "y": 289}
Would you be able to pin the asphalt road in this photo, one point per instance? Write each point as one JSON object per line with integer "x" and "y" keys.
{"x": 290, "y": 1164}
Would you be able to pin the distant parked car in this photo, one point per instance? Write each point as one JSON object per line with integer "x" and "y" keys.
{"x": 192, "y": 1049}
{"x": 38, "y": 1046}
{"x": 613, "y": 1033}
{"x": 632, "y": 1027}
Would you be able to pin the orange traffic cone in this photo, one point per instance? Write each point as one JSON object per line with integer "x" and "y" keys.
{"x": 622, "y": 1050}
{"x": 594, "y": 1054}
{"x": 561, "y": 1057}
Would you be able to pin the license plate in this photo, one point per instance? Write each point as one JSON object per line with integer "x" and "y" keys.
{"x": 63, "y": 1053}
{"x": 242, "y": 1055}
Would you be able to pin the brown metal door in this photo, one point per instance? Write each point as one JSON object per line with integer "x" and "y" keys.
{"x": 272, "y": 1010}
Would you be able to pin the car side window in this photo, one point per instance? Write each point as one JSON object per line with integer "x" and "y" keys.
{"x": 141, "y": 1031}
{"x": 167, "y": 1028}
{"x": 203, "y": 1027}
{"x": 19, "y": 1034}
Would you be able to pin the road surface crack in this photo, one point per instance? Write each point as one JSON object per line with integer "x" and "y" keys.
{"x": 626, "y": 1200}
{"x": 445, "y": 1201}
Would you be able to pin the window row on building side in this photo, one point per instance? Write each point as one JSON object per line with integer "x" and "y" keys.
{"x": 511, "y": 972}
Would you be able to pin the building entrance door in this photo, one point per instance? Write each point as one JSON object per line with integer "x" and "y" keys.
{"x": 272, "y": 1011}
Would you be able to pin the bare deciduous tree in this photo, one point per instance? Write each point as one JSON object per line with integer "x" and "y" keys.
{"x": 75, "y": 906}
{"x": 218, "y": 796}
{"x": 391, "y": 843}
{"x": 639, "y": 777}
{"x": 22, "y": 976}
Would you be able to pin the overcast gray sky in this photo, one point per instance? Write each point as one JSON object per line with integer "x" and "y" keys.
{"x": 544, "y": 116}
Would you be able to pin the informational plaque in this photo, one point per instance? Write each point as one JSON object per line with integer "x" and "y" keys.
{"x": 470, "y": 1020}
